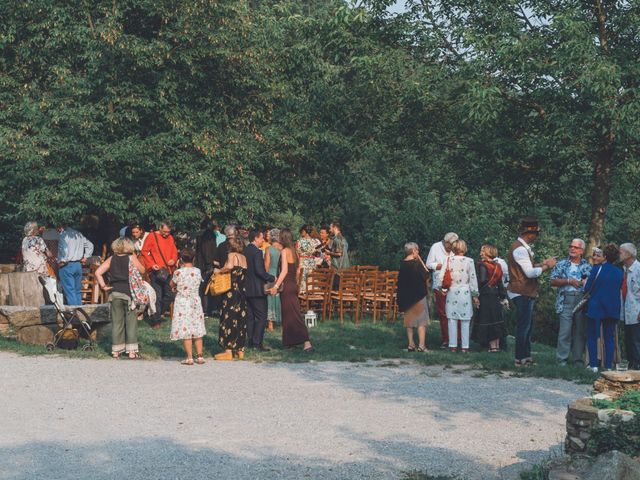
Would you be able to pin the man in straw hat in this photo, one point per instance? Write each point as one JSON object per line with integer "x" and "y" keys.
{"x": 523, "y": 285}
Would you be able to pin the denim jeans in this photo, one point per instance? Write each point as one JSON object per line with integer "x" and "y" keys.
{"x": 632, "y": 345}
{"x": 70, "y": 278}
{"x": 524, "y": 323}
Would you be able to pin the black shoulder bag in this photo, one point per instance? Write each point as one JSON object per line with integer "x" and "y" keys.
{"x": 162, "y": 275}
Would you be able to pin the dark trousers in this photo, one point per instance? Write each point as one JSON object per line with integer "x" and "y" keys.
{"x": 164, "y": 297}
{"x": 608, "y": 326}
{"x": 257, "y": 320}
{"x": 632, "y": 345}
{"x": 209, "y": 304}
{"x": 524, "y": 326}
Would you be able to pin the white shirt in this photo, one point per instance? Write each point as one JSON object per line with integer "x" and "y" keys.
{"x": 631, "y": 306}
{"x": 505, "y": 271}
{"x": 523, "y": 256}
{"x": 437, "y": 255}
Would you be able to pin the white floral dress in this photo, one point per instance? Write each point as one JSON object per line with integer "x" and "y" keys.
{"x": 188, "y": 317}
{"x": 464, "y": 286}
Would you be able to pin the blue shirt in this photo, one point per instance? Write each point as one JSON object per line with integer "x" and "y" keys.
{"x": 562, "y": 270}
{"x": 220, "y": 237}
{"x": 73, "y": 246}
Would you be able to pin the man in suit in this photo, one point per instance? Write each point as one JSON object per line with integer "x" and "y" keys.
{"x": 256, "y": 278}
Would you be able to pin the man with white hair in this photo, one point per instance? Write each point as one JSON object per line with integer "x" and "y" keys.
{"x": 437, "y": 260}
{"x": 569, "y": 276}
{"x": 631, "y": 303}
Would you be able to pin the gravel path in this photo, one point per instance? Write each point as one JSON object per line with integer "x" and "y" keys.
{"x": 105, "y": 419}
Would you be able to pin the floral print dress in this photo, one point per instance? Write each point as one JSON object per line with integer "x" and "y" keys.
{"x": 233, "y": 321}
{"x": 464, "y": 286}
{"x": 306, "y": 248}
{"x": 188, "y": 316}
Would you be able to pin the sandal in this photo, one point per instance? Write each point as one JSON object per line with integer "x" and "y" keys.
{"x": 421, "y": 349}
{"x": 187, "y": 361}
{"x": 411, "y": 349}
{"x": 115, "y": 355}
{"x": 200, "y": 360}
{"x": 134, "y": 356}
{"x": 494, "y": 350}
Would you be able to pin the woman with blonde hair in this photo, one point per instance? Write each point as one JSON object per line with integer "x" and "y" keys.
{"x": 489, "y": 324}
{"x": 122, "y": 266}
{"x": 459, "y": 278}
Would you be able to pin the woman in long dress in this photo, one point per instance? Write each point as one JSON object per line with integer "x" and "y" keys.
{"x": 271, "y": 265}
{"x": 462, "y": 294}
{"x": 489, "y": 325}
{"x": 306, "y": 251}
{"x": 294, "y": 330}
{"x": 232, "y": 334}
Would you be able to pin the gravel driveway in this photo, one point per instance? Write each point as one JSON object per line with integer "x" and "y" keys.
{"x": 104, "y": 419}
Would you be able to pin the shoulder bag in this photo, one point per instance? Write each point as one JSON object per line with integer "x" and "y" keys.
{"x": 162, "y": 274}
{"x": 582, "y": 304}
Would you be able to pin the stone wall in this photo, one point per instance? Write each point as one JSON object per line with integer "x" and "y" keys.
{"x": 582, "y": 416}
{"x": 37, "y": 325}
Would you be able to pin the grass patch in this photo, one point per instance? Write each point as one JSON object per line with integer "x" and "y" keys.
{"x": 336, "y": 342}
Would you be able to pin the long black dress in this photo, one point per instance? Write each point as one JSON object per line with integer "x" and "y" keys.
{"x": 232, "y": 334}
{"x": 489, "y": 324}
{"x": 294, "y": 330}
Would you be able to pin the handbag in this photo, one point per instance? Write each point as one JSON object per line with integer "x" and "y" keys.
{"x": 162, "y": 275}
{"x": 447, "y": 280}
{"x": 582, "y": 304}
{"x": 219, "y": 283}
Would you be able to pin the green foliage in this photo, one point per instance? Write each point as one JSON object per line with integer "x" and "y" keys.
{"x": 629, "y": 400}
{"x": 454, "y": 116}
{"x": 621, "y": 436}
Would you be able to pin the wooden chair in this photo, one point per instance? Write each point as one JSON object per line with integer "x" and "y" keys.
{"x": 366, "y": 268}
{"x": 347, "y": 297}
{"x": 384, "y": 302}
{"x": 318, "y": 291}
{"x": 88, "y": 285}
{"x": 368, "y": 291}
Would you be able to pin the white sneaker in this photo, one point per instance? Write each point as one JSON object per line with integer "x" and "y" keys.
{"x": 593, "y": 369}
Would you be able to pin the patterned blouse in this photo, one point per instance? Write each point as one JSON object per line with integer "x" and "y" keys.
{"x": 34, "y": 255}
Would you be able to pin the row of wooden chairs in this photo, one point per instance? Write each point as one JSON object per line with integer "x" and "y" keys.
{"x": 354, "y": 291}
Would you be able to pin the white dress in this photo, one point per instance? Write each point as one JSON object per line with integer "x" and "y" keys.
{"x": 188, "y": 317}
{"x": 464, "y": 286}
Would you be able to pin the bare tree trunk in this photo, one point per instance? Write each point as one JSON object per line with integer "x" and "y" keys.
{"x": 602, "y": 180}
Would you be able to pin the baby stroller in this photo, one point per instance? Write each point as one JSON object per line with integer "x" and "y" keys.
{"x": 76, "y": 324}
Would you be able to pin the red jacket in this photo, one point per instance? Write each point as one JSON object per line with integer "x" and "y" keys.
{"x": 151, "y": 255}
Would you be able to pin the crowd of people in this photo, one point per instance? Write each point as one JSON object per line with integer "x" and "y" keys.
{"x": 148, "y": 271}
{"x": 592, "y": 297}
{"x": 268, "y": 269}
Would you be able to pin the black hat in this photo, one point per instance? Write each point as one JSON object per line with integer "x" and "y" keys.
{"x": 529, "y": 225}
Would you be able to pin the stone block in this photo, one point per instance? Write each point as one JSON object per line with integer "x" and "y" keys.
{"x": 610, "y": 414}
{"x": 630, "y": 376}
{"x": 576, "y": 444}
{"x": 614, "y": 466}
{"x": 47, "y": 315}
{"x": 37, "y": 334}
{"x": 582, "y": 409}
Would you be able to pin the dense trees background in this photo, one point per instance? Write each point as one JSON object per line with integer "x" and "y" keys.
{"x": 455, "y": 115}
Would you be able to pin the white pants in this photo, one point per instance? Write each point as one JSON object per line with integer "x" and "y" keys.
{"x": 453, "y": 333}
